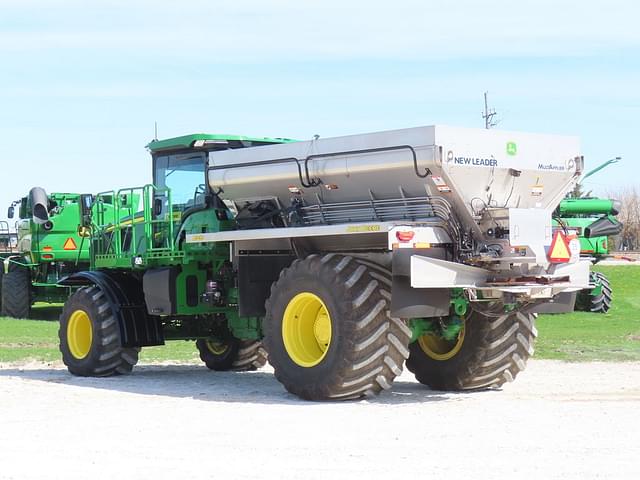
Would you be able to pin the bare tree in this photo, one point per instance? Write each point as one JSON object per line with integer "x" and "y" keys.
{"x": 629, "y": 238}
{"x": 578, "y": 192}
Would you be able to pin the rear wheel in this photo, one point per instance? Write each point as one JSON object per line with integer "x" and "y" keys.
{"x": 16, "y": 292}
{"x": 90, "y": 336}
{"x": 488, "y": 351}
{"x": 232, "y": 354}
{"x": 328, "y": 330}
{"x": 597, "y": 300}
{"x": 251, "y": 356}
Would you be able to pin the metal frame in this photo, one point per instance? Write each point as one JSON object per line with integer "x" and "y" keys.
{"x": 312, "y": 231}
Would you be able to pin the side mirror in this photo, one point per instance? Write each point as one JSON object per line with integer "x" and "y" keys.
{"x": 157, "y": 206}
{"x": 11, "y": 212}
{"x": 86, "y": 204}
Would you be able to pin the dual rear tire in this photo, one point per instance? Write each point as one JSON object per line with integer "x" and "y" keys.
{"x": 330, "y": 335}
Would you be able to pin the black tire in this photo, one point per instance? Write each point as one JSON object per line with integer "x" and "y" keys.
{"x": 100, "y": 353}
{"x": 232, "y": 354}
{"x": 489, "y": 352}
{"x": 16, "y": 292}
{"x": 366, "y": 347}
{"x": 251, "y": 356}
{"x": 596, "y": 303}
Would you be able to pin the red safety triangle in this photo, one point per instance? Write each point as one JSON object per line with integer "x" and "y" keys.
{"x": 559, "y": 250}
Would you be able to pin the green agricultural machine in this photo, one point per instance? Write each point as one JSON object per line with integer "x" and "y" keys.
{"x": 593, "y": 221}
{"x": 343, "y": 258}
{"x": 48, "y": 247}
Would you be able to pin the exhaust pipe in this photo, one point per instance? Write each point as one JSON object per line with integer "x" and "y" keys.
{"x": 39, "y": 204}
{"x": 604, "y": 226}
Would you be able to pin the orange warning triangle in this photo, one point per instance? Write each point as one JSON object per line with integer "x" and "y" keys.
{"x": 70, "y": 244}
{"x": 559, "y": 250}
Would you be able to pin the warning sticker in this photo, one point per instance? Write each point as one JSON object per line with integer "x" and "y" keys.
{"x": 70, "y": 244}
{"x": 440, "y": 184}
{"x": 559, "y": 251}
{"x": 538, "y": 189}
{"x": 363, "y": 228}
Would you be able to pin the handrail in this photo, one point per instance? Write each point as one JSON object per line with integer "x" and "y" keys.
{"x": 314, "y": 182}
{"x": 119, "y": 230}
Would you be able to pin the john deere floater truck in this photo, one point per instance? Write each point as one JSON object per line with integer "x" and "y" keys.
{"x": 345, "y": 256}
{"x": 48, "y": 248}
{"x": 592, "y": 220}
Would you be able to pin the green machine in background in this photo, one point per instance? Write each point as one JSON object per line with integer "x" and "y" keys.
{"x": 593, "y": 220}
{"x": 47, "y": 247}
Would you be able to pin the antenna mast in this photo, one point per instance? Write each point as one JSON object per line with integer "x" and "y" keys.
{"x": 488, "y": 114}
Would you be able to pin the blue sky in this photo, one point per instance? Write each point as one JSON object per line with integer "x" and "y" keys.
{"x": 82, "y": 83}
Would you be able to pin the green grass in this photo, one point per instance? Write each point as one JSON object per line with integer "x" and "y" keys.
{"x": 37, "y": 340}
{"x": 577, "y": 336}
{"x": 28, "y": 340}
{"x": 582, "y": 336}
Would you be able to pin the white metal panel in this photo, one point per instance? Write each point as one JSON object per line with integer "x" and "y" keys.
{"x": 434, "y": 273}
{"x": 578, "y": 273}
{"x": 531, "y": 227}
{"x": 503, "y": 169}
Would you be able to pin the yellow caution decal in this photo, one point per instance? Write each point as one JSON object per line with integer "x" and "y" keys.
{"x": 70, "y": 244}
{"x": 363, "y": 228}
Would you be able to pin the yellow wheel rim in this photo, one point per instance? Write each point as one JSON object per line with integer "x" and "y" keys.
{"x": 215, "y": 347}
{"x": 79, "y": 334}
{"x": 306, "y": 329}
{"x": 439, "y": 348}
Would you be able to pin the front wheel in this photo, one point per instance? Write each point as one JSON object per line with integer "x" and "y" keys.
{"x": 488, "y": 351}
{"x": 90, "y": 336}
{"x": 16, "y": 292}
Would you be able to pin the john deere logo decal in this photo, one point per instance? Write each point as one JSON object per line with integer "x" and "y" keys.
{"x": 512, "y": 149}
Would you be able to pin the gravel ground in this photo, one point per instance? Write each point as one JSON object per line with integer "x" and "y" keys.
{"x": 558, "y": 420}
